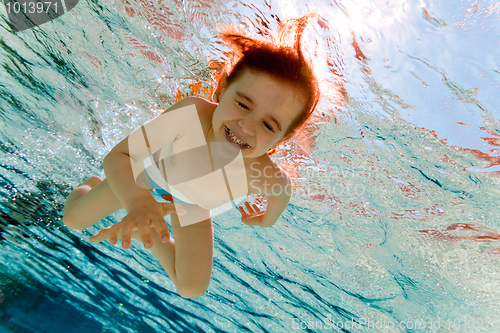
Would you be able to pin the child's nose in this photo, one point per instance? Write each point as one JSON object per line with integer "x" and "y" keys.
{"x": 247, "y": 125}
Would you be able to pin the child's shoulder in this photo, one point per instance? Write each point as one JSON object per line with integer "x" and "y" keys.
{"x": 271, "y": 179}
{"x": 203, "y": 106}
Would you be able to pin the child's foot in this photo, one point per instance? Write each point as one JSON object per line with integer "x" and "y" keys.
{"x": 91, "y": 182}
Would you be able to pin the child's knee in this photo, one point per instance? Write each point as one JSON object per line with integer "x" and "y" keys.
{"x": 91, "y": 182}
{"x": 192, "y": 291}
{"x": 71, "y": 222}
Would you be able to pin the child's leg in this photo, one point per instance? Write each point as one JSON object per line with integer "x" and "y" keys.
{"x": 89, "y": 203}
{"x": 189, "y": 260}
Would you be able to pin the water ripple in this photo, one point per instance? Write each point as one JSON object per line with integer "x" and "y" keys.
{"x": 395, "y": 213}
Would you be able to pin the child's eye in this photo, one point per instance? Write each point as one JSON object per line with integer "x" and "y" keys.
{"x": 269, "y": 127}
{"x": 243, "y": 106}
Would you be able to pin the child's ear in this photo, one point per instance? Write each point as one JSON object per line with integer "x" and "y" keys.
{"x": 220, "y": 87}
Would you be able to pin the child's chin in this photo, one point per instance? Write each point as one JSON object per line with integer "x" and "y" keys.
{"x": 249, "y": 153}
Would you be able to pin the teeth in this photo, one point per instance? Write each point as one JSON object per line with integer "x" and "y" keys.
{"x": 235, "y": 139}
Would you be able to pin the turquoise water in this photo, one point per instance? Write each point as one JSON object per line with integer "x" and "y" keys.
{"x": 396, "y": 213}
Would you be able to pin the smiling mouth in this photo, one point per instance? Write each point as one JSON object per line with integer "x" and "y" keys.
{"x": 234, "y": 139}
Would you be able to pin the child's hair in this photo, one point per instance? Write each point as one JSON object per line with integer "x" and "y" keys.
{"x": 281, "y": 57}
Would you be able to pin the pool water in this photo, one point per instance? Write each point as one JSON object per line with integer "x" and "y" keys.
{"x": 394, "y": 225}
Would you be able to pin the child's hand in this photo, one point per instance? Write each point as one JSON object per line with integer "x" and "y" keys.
{"x": 254, "y": 215}
{"x": 144, "y": 215}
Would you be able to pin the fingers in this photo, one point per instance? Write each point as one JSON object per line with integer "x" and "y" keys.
{"x": 252, "y": 208}
{"x": 113, "y": 232}
{"x": 126, "y": 228}
{"x": 126, "y": 231}
{"x": 243, "y": 212}
{"x": 138, "y": 224}
{"x": 253, "y": 212}
{"x": 162, "y": 229}
{"x": 99, "y": 237}
{"x": 247, "y": 205}
{"x": 144, "y": 229}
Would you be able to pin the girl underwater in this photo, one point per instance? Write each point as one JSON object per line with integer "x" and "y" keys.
{"x": 265, "y": 96}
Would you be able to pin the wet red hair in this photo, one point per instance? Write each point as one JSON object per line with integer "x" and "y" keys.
{"x": 280, "y": 57}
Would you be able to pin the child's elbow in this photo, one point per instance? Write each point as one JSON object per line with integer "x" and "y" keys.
{"x": 266, "y": 223}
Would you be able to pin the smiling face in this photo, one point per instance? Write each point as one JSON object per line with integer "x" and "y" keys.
{"x": 255, "y": 112}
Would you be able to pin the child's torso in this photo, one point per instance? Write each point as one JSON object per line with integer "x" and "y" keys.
{"x": 192, "y": 172}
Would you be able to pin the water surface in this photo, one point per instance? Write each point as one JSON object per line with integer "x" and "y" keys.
{"x": 395, "y": 217}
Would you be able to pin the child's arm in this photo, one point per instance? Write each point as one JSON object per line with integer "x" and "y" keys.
{"x": 141, "y": 206}
{"x": 276, "y": 205}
